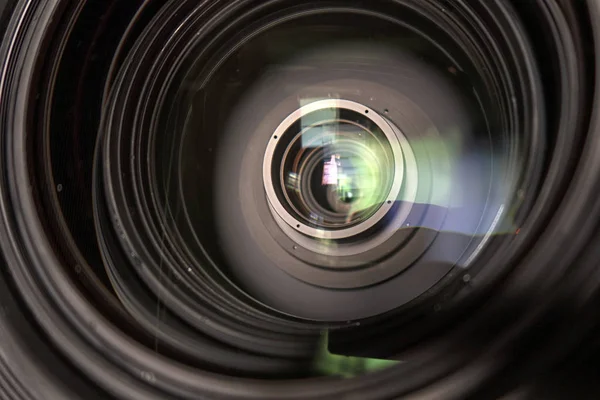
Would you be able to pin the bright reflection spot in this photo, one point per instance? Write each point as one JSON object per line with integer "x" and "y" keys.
{"x": 330, "y": 171}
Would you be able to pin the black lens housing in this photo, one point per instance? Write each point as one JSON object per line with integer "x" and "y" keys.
{"x": 96, "y": 297}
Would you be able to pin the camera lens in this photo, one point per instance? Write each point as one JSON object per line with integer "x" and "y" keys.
{"x": 288, "y": 199}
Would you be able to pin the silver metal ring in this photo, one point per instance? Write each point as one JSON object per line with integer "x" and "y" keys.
{"x": 408, "y": 198}
{"x": 392, "y": 195}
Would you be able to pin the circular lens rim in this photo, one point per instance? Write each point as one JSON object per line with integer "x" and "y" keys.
{"x": 384, "y": 208}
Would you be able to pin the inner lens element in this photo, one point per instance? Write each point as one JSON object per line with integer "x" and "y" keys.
{"x": 333, "y": 169}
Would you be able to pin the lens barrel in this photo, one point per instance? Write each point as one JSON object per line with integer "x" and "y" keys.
{"x": 298, "y": 199}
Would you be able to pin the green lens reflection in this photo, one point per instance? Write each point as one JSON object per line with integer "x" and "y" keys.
{"x": 354, "y": 177}
{"x": 327, "y": 363}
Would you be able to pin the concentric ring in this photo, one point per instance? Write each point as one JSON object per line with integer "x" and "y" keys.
{"x": 392, "y": 195}
{"x": 169, "y": 333}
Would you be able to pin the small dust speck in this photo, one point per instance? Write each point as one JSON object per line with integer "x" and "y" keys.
{"x": 148, "y": 376}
